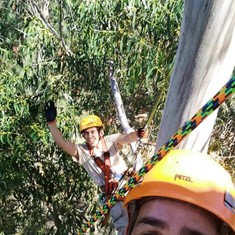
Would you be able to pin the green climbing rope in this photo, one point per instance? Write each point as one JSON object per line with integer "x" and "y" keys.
{"x": 225, "y": 92}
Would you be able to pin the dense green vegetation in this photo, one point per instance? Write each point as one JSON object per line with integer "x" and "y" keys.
{"x": 66, "y": 54}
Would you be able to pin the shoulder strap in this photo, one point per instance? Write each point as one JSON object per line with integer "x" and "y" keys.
{"x": 104, "y": 165}
{"x": 107, "y": 171}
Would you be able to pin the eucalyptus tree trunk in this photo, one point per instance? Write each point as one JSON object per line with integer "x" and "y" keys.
{"x": 204, "y": 63}
{"x": 123, "y": 118}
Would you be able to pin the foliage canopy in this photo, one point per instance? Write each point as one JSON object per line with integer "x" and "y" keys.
{"x": 64, "y": 53}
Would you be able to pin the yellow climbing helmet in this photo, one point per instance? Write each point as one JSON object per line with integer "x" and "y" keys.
{"x": 191, "y": 177}
{"x": 90, "y": 121}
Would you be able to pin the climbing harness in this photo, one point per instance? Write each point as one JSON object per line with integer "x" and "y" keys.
{"x": 225, "y": 92}
{"x": 110, "y": 184}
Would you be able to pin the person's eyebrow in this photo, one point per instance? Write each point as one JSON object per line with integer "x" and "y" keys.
{"x": 189, "y": 231}
{"x": 155, "y": 222}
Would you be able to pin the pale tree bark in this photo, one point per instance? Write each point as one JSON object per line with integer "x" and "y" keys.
{"x": 118, "y": 102}
{"x": 123, "y": 118}
{"x": 204, "y": 63}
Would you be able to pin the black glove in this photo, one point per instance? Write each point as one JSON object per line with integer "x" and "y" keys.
{"x": 141, "y": 132}
{"x": 50, "y": 111}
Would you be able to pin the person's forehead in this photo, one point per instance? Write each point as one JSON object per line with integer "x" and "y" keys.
{"x": 169, "y": 203}
{"x": 173, "y": 213}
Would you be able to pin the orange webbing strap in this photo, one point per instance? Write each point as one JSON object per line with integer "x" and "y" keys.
{"x": 106, "y": 171}
{"x": 110, "y": 185}
{"x": 105, "y": 167}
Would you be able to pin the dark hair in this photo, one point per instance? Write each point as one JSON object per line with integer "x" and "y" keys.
{"x": 99, "y": 129}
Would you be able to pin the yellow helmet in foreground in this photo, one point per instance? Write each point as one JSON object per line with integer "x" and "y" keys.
{"x": 190, "y": 177}
{"x": 90, "y": 121}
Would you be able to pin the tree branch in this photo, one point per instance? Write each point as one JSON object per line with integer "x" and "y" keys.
{"x": 59, "y": 38}
{"x": 119, "y": 105}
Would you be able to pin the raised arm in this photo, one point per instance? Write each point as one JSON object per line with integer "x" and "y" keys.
{"x": 67, "y": 146}
{"x": 132, "y": 136}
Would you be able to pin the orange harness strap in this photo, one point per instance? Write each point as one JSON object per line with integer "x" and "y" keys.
{"x": 110, "y": 186}
{"x": 105, "y": 167}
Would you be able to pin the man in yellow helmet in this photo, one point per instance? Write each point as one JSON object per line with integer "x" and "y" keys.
{"x": 185, "y": 193}
{"x": 99, "y": 155}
